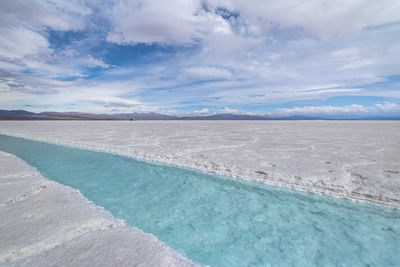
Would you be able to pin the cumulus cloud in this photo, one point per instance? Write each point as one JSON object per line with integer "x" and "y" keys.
{"x": 19, "y": 42}
{"x": 355, "y": 109}
{"x": 22, "y": 24}
{"x": 202, "y": 111}
{"x": 157, "y": 21}
{"x": 24, "y": 44}
{"x": 322, "y": 19}
{"x": 36, "y": 14}
{"x": 230, "y": 110}
{"x": 184, "y": 22}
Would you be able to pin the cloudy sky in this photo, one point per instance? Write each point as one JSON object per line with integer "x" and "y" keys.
{"x": 283, "y": 57}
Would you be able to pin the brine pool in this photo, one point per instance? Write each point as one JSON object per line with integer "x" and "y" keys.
{"x": 221, "y": 221}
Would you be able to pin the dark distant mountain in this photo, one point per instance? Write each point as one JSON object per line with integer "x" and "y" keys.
{"x": 26, "y": 115}
{"x": 50, "y": 115}
{"x": 5, "y": 113}
{"x": 145, "y": 116}
{"x": 297, "y": 118}
{"x": 226, "y": 116}
{"x": 389, "y": 118}
{"x": 74, "y": 115}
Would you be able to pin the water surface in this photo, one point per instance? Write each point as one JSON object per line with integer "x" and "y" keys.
{"x": 221, "y": 221}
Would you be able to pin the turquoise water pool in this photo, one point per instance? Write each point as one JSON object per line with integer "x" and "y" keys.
{"x": 221, "y": 221}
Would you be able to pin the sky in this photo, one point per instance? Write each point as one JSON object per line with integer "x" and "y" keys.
{"x": 187, "y": 57}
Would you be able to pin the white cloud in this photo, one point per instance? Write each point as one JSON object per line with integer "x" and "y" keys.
{"x": 202, "y": 111}
{"x": 185, "y": 22}
{"x": 274, "y": 56}
{"x": 230, "y": 110}
{"x": 24, "y": 47}
{"x": 174, "y": 22}
{"x": 40, "y": 14}
{"x": 18, "y": 42}
{"x": 91, "y": 61}
{"x": 205, "y": 72}
{"x": 354, "y": 109}
{"x": 323, "y": 19}
{"x": 59, "y": 84}
{"x": 111, "y": 101}
{"x": 351, "y": 53}
{"x": 26, "y": 84}
{"x": 357, "y": 64}
{"x": 155, "y": 22}
{"x": 388, "y": 106}
{"x": 30, "y": 14}
{"x": 228, "y": 44}
{"x": 321, "y": 87}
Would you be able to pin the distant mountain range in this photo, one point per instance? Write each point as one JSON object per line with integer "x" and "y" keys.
{"x": 26, "y": 115}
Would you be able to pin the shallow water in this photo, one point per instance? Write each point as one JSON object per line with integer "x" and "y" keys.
{"x": 220, "y": 221}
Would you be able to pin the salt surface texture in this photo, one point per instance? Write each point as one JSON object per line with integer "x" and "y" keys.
{"x": 43, "y": 223}
{"x": 354, "y": 159}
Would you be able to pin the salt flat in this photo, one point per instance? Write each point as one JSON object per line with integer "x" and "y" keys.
{"x": 352, "y": 159}
{"x": 44, "y": 223}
